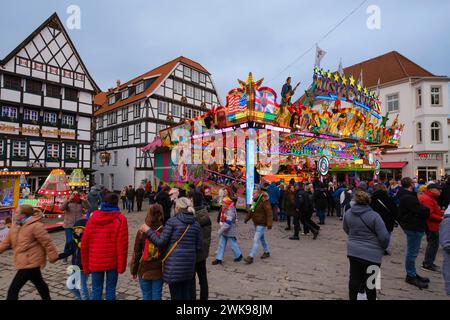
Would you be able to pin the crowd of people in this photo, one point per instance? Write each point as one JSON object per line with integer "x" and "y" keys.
{"x": 173, "y": 242}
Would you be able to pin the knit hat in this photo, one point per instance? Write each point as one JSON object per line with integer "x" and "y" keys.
{"x": 80, "y": 224}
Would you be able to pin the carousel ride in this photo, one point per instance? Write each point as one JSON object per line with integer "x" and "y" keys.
{"x": 336, "y": 124}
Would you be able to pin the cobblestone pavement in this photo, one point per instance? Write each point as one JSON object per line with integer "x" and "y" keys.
{"x": 305, "y": 269}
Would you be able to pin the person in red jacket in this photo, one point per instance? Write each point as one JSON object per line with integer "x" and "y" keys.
{"x": 104, "y": 248}
{"x": 429, "y": 199}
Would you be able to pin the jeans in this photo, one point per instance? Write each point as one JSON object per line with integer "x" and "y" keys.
{"x": 84, "y": 293}
{"x": 182, "y": 290}
{"x": 358, "y": 278}
{"x": 98, "y": 279}
{"x": 23, "y": 276}
{"x": 151, "y": 289}
{"x": 130, "y": 205}
{"x": 274, "y": 211}
{"x": 321, "y": 215}
{"x": 200, "y": 269}
{"x": 125, "y": 203}
{"x": 69, "y": 238}
{"x": 413, "y": 238}
{"x": 432, "y": 248}
{"x": 223, "y": 244}
{"x": 259, "y": 236}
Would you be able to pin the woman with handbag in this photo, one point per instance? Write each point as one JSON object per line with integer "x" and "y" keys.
{"x": 182, "y": 235}
{"x": 368, "y": 238}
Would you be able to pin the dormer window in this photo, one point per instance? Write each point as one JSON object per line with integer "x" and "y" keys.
{"x": 125, "y": 94}
{"x": 140, "y": 88}
{"x": 112, "y": 99}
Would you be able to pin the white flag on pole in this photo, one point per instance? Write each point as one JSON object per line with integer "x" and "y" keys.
{"x": 378, "y": 88}
{"x": 341, "y": 69}
{"x": 320, "y": 53}
{"x": 361, "y": 81}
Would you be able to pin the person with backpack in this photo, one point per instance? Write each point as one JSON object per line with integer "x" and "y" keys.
{"x": 320, "y": 199}
{"x": 31, "y": 244}
{"x": 105, "y": 247}
{"x": 384, "y": 206}
{"x": 74, "y": 250}
{"x": 227, "y": 232}
{"x": 146, "y": 263}
{"x": 202, "y": 217}
{"x": 140, "y": 195}
{"x": 182, "y": 235}
{"x": 368, "y": 238}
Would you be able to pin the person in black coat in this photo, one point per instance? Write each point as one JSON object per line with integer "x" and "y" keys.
{"x": 384, "y": 206}
{"x": 131, "y": 194}
{"x": 412, "y": 218}
{"x": 444, "y": 199}
{"x": 183, "y": 233}
{"x": 320, "y": 201}
{"x": 164, "y": 200}
{"x": 140, "y": 195}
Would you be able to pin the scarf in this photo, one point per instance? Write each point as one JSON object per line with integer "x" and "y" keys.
{"x": 108, "y": 207}
{"x": 256, "y": 202}
{"x": 22, "y": 222}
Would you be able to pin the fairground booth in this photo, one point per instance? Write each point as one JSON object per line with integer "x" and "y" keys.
{"x": 335, "y": 132}
{"x": 11, "y": 184}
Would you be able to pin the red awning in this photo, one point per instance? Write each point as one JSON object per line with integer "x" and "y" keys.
{"x": 393, "y": 165}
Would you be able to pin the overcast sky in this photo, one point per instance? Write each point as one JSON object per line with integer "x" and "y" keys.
{"x": 123, "y": 39}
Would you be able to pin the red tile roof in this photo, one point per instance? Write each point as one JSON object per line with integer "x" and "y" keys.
{"x": 161, "y": 72}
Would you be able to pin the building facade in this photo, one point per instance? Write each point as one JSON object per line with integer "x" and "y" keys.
{"x": 420, "y": 99}
{"x": 46, "y": 105}
{"x": 130, "y": 115}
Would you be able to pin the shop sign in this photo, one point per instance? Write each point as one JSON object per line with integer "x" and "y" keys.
{"x": 428, "y": 156}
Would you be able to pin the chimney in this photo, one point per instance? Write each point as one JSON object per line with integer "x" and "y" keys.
{"x": 118, "y": 83}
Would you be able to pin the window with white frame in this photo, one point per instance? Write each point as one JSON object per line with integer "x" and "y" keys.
{"x": 19, "y": 149}
{"x": 419, "y": 97}
{"x": 2, "y": 147}
{"x": 202, "y": 77}
{"x": 189, "y": 91}
{"x": 137, "y": 110}
{"x": 435, "y": 132}
{"x": 187, "y": 113}
{"x": 112, "y": 117}
{"x": 71, "y": 152}
{"x": 112, "y": 99}
{"x": 30, "y": 115}
{"x": 38, "y": 66}
{"x": 68, "y": 120}
{"x": 419, "y": 133}
{"x": 101, "y": 139}
{"x": 392, "y": 102}
{"x": 9, "y": 112}
{"x": 115, "y": 158}
{"x": 195, "y": 76}
{"x": 162, "y": 107}
{"x": 207, "y": 96}
{"x": 178, "y": 87}
{"x": 125, "y": 114}
{"x": 137, "y": 131}
{"x": 102, "y": 179}
{"x": 187, "y": 71}
{"x": 100, "y": 122}
{"x": 176, "y": 110}
{"x": 160, "y": 127}
{"x": 94, "y": 158}
{"x": 435, "y": 96}
{"x": 195, "y": 113}
{"x": 140, "y": 88}
{"x": 52, "y": 150}
{"x": 115, "y": 134}
{"x": 125, "y": 94}
{"x": 109, "y": 136}
{"x": 50, "y": 117}
{"x": 125, "y": 133}
{"x": 198, "y": 94}
{"x": 111, "y": 181}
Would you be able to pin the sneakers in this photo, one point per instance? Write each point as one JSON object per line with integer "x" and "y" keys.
{"x": 265, "y": 255}
{"x": 238, "y": 259}
{"x": 423, "y": 279}
{"x": 432, "y": 268}
{"x": 294, "y": 238}
{"x": 248, "y": 260}
{"x": 416, "y": 282}
{"x": 216, "y": 262}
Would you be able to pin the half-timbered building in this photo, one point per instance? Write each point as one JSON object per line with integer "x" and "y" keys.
{"x": 130, "y": 115}
{"x": 46, "y": 105}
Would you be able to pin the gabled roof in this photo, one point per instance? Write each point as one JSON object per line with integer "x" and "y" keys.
{"x": 52, "y": 21}
{"x": 388, "y": 67}
{"x": 160, "y": 72}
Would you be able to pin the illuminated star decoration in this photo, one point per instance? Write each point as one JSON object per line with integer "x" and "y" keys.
{"x": 352, "y": 80}
{"x": 366, "y": 92}
{"x": 336, "y": 77}
{"x": 322, "y": 72}
{"x": 329, "y": 74}
{"x": 344, "y": 80}
{"x": 359, "y": 87}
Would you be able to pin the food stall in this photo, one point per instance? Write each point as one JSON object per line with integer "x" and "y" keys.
{"x": 10, "y": 182}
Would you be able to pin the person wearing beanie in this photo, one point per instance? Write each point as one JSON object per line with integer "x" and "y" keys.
{"x": 444, "y": 239}
{"x": 31, "y": 243}
{"x": 74, "y": 250}
{"x": 105, "y": 247}
{"x": 182, "y": 234}
{"x": 227, "y": 232}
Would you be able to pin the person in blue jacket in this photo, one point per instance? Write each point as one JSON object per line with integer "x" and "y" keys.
{"x": 274, "y": 199}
